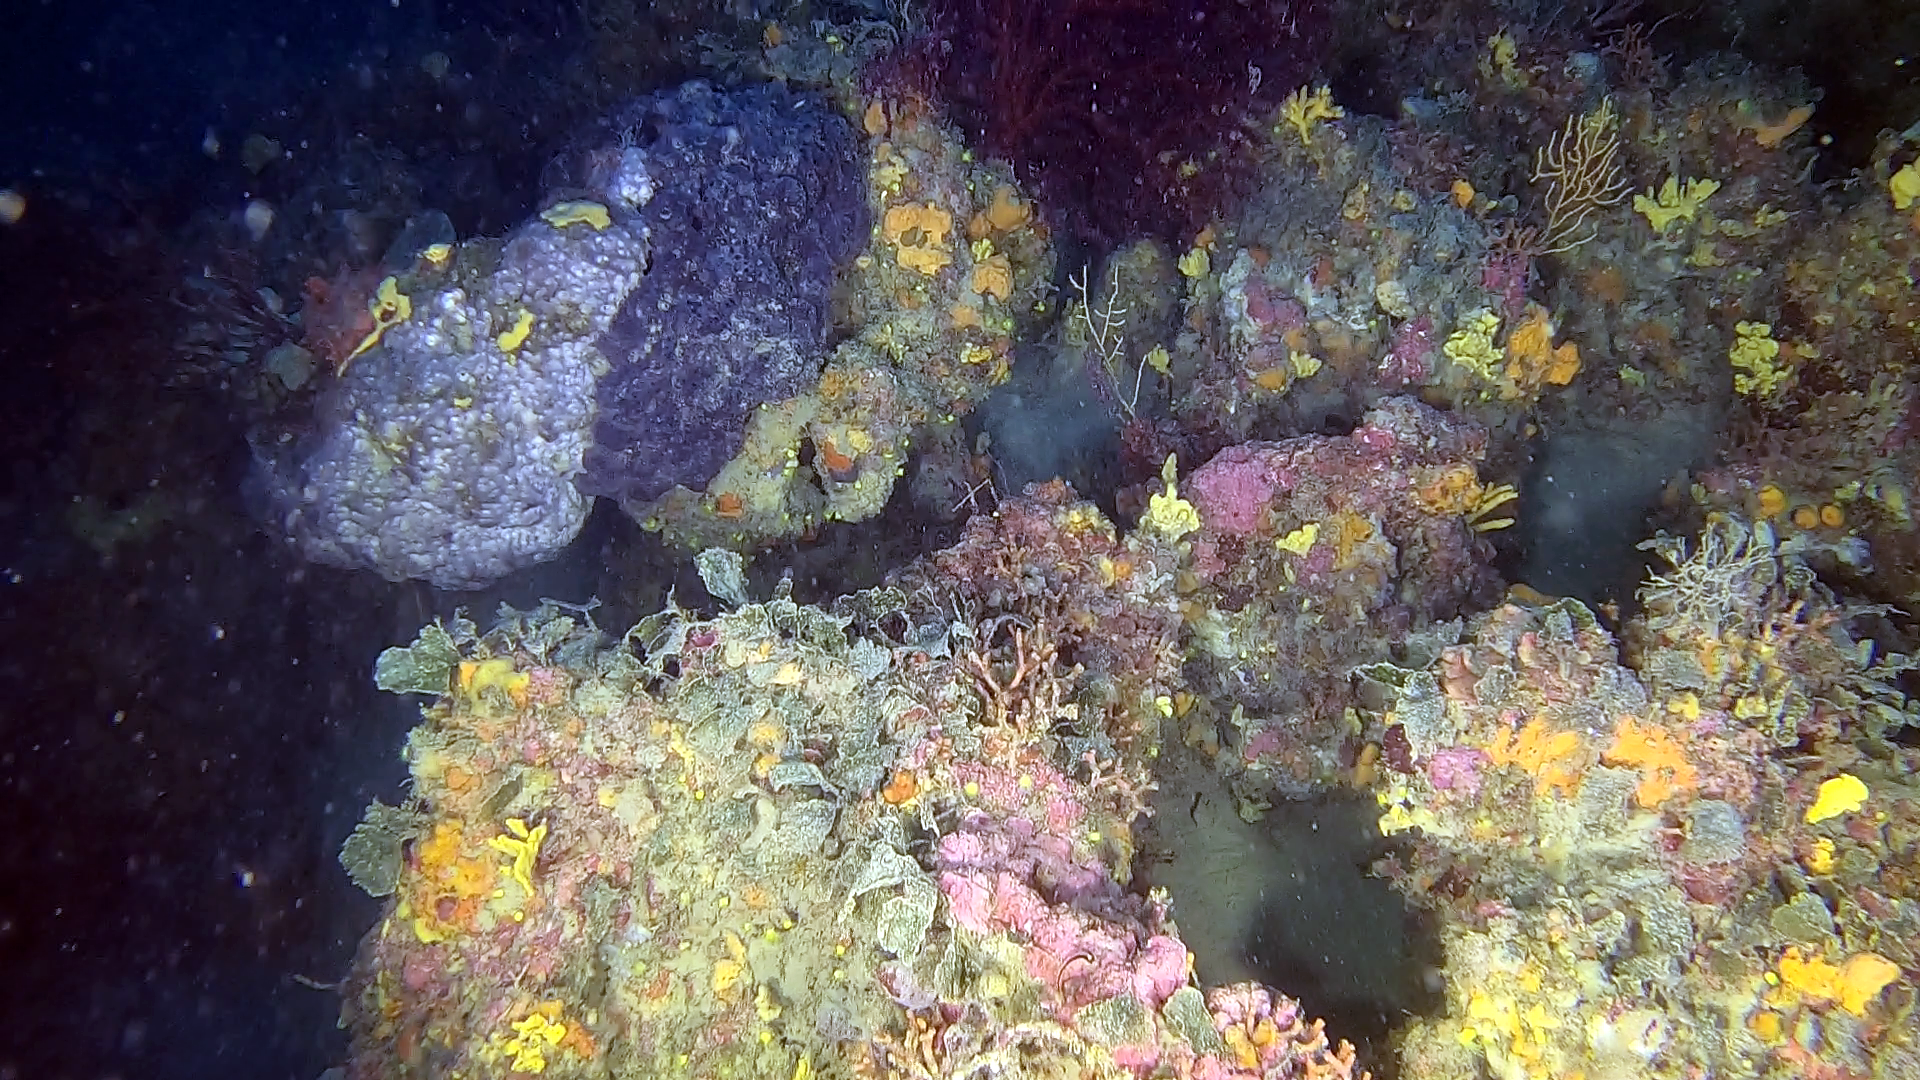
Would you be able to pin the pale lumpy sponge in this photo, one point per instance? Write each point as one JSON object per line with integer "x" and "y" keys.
{"x": 760, "y": 196}
{"x": 613, "y": 345}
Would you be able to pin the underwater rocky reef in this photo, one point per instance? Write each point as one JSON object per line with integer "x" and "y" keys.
{"x": 894, "y": 836}
{"x": 1298, "y": 540}
{"x": 1659, "y": 827}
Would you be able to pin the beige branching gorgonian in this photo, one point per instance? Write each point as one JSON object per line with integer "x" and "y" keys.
{"x": 1581, "y": 167}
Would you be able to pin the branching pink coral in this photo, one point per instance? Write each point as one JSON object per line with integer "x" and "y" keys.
{"x": 1268, "y": 1035}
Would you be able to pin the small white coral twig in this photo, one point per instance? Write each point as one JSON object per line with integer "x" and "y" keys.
{"x": 1105, "y": 328}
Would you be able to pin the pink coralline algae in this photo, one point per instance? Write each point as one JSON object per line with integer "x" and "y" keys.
{"x": 1375, "y": 474}
{"x": 1457, "y": 769}
{"x": 548, "y": 686}
{"x": 1506, "y": 274}
{"x": 1086, "y": 937}
{"x": 1410, "y": 355}
{"x": 1275, "y": 313}
{"x": 1231, "y": 490}
{"x": 1003, "y": 792}
{"x": 1321, "y": 552}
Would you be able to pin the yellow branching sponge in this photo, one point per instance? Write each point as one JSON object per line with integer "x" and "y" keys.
{"x": 389, "y": 307}
{"x": 1167, "y": 513}
{"x": 1904, "y": 186}
{"x": 1757, "y": 370}
{"x": 1471, "y": 345}
{"x": 1675, "y": 202}
{"x": 577, "y": 212}
{"x": 1843, "y": 794}
{"x": 1304, "y": 108}
{"x": 516, "y": 335}
{"x": 534, "y": 1036}
{"x": 522, "y": 845}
